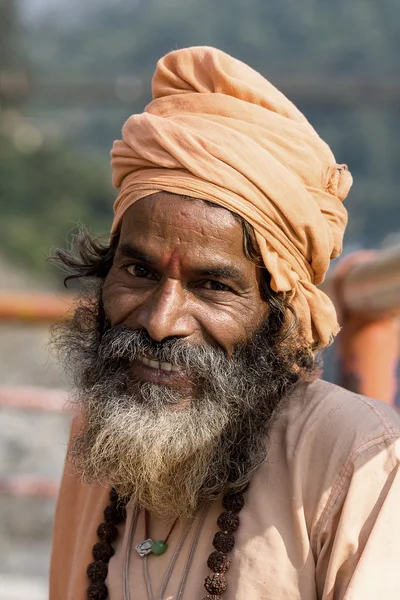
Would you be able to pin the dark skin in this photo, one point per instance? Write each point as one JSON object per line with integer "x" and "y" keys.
{"x": 180, "y": 271}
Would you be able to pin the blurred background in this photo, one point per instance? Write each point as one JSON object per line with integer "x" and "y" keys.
{"x": 71, "y": 72}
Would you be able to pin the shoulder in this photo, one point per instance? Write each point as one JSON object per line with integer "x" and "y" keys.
{"x": 79, "y": 511}
{"x": 324, "y": 410}
{"x": 325, "y": 438}
{"x": 328, "y": 427}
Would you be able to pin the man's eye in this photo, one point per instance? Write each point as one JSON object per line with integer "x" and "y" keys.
{"x": 216, "y": 286}
{"x": 139, "y": 271}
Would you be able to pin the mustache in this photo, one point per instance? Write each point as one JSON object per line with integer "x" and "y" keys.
{"x": 120, "y": 343}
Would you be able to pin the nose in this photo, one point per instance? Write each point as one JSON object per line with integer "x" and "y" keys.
{"x": 165, "y": 313}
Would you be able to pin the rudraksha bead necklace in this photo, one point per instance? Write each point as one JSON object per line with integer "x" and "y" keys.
{"x": 218, "y": 562}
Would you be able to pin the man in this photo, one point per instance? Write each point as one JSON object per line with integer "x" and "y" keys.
{"x": 234, "y": 472}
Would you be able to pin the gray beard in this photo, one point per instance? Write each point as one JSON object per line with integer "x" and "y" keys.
{"x": 137, "y": 437}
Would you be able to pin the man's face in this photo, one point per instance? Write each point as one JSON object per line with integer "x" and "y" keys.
{"x": 180, "y": 272}
{"x": 179, "y": 384}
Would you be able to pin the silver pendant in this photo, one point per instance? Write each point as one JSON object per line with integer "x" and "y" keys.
{"x": 144, "y": 548}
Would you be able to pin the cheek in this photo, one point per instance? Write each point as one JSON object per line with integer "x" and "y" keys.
{"x": 229, "y": 326}
{"x": 118, "y": 300}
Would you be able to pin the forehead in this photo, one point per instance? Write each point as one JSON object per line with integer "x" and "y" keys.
{"x": 174, "y": 222}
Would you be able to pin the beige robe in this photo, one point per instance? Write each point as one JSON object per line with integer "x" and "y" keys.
{"x": 321, "y": 518}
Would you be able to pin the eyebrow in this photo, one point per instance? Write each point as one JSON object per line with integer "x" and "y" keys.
{"x": 220, "y": 271}
{"x": 130, "y": 251}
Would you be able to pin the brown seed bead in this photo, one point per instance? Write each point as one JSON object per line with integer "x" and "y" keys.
{"x": 114, "y": 513}
{"x": 97, "y": 571}
{"x": 218, "y": 562}
{"x": 97, "y": 591}
{"x": 233, "y": 502}
{"x": 102, "y": 551}
{"x": 228, "y": 521}
{"x": 223, "y": 542}
{"x": 215, "y": 583}
{"x": 107, "y": 532}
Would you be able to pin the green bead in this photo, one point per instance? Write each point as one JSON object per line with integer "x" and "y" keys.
{"x": 159, "y": 547}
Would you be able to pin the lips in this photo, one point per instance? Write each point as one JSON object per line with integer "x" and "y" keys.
{"x": 162, "y": 373}
{"x": 155, "y": 364}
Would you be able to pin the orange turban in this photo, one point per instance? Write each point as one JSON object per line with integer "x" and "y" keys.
{"x": 217, "y": 130}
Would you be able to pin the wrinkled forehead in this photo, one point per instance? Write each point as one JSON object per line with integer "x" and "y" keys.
{"x": 180, "y": 221}
{"x": 157, "y": 207}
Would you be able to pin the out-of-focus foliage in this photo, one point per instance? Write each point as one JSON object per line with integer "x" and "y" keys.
{"x": 104, "y": 40}
{"x": 318, "y": 36}
{"x": 46, "y": 193}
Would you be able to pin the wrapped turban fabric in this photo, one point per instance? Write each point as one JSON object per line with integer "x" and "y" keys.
{"x": 217, "y": 130}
